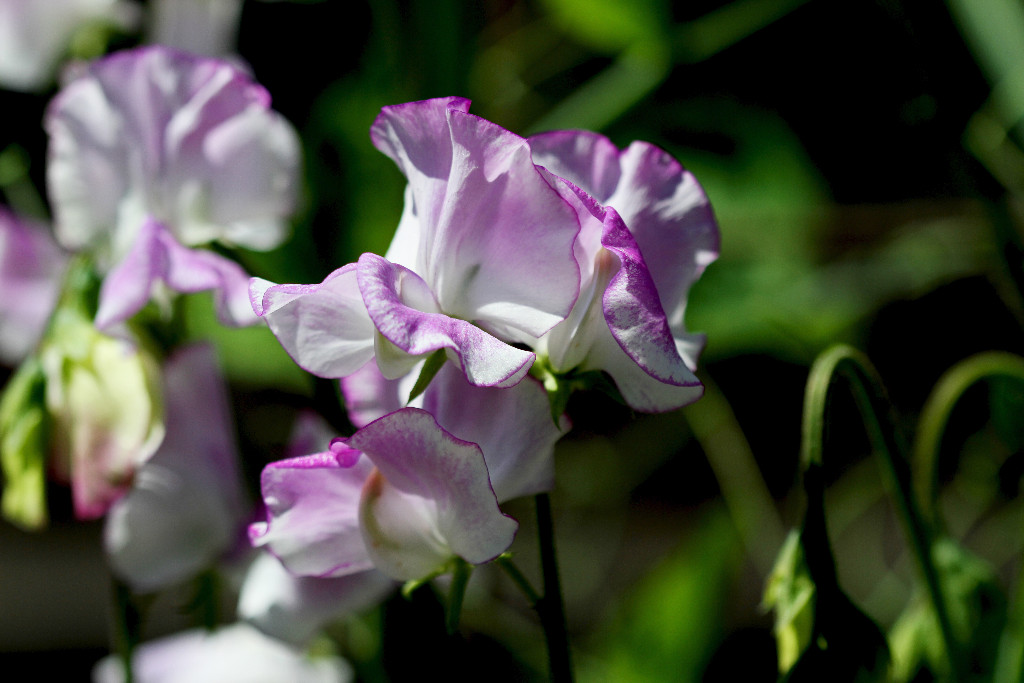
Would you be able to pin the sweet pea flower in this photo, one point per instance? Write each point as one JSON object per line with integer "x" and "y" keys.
{"x": 185, "y": 508}
{"x": 647, "y": 234}
{"x": 402, "y": 494}
{"x": 238, "y": 653}
{"x": 154, "y": 152}
{"x": 408, "y": 493}
{"x": 31, "y": 269}
{"x": 483, "y": 251}
{"x": 295, "y": 608}
{"x": 35, "y": 35}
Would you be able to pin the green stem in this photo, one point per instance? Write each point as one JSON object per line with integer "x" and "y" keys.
{"x": 938, "y": 408}
{"x": 127, "y": 622}
{"x": 460, "y": 578}
{"x": 550, "y": 608}
{"x": 506, "y": 563}
{"x": 876, "y": 411}
{"x": 935, "y": 416}
{"x": 746, "y": 496}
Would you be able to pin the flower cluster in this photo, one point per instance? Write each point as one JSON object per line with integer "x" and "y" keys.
{"x": 521, "y": 269}
{"x": 516, "y": 260}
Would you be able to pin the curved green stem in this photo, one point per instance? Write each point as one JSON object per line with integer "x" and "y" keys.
{"x": 938, "y": 409}
{"x": 935, "y": 416}
{"x": 876, "y": 411}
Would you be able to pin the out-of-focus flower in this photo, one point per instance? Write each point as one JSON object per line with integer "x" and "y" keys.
{"x": 154, "y": 151}
{"x": 295, "y": 608}
{"x": 103, "y": 397}
{"x": 238, "y": 653}
{"x": 484, "y": 248}
{"x": 203, "y": 27}
{"x": 185, "y": 507}
{"x": 423, "y": 493}
{"x": 647, "y": 234}
{"x": 31, "y": 268}
{"x": 35, "y": 35}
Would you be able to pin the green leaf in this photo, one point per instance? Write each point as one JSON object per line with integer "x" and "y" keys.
{"x": 610, "y": 25}
{"x": 431, "y": 367}
{"x": 977, "y": 611}
{"x": 23, "y": 446}
{"x": 790, "y": 593}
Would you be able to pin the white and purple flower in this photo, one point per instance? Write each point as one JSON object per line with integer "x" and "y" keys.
{"x": 35, "y": 35}
{"x": 409, "y": 491}
{"x": 483, "y": 253}
{"x": 648, "y": 233}
{"x": 153, "y": 152}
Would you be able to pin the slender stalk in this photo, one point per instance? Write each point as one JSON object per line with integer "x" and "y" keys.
{"x": 126, "y": 626}
{"x": 876, "y": 411}
{"x": 746, "y": 496}
{"x": 460, "y": 578}
{"x": 935, "y": 416}
{"x": 938, "y": 409}
{"x": 506, "y": 563}
{"x": 550, "y": 607}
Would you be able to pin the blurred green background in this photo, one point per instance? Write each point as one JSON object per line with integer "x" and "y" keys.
{"x": 864, "y": 159}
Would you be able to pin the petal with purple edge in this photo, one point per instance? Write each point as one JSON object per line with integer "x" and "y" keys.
{"x": 673, "y": 225}
{"x": 312, "y": 515}
{"x": 395, "y": 298}
{"x": 633, "y": 310}
{"x": 324, "y": 328}
{"x": 432, "y": 490}
{"x": 513, "y": 428}
{"x": 493, "y": 238}
{"x": 157, "y": 257}
{"x": 662, "y": 203}
{"x": 369, "y": 395}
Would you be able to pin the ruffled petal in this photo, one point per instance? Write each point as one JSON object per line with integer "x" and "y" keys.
{"x": 403, "y": 311}
{"x": 294, "y": 608}
{"x": 156, "y": 258}
{"x": 662, "y": 204}
{"x": 313, "y": 515}
{"x": 513, "y": 426}
{"x": 493, "y": 239}
{"x": 369, "y": 395}
{"x": 325, "y": 328}
{"x": 633, "y": 310}
{"x": 429, "y": 498}
{"x": 190, "y": 141}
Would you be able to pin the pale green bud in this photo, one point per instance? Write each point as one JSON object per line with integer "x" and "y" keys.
{"x": 104, "y": 398}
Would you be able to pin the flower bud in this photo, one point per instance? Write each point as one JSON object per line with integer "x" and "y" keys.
{"x": 103, "y": 395}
